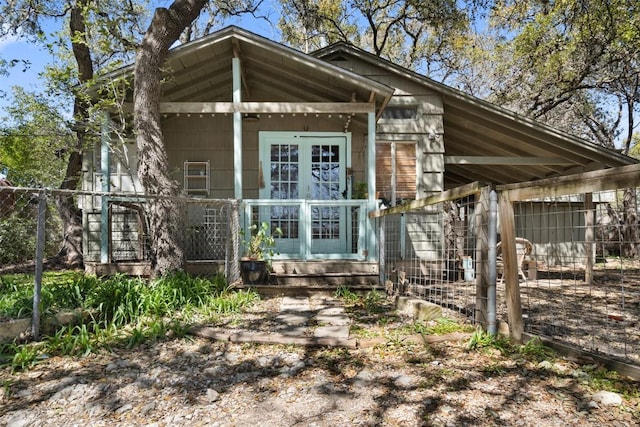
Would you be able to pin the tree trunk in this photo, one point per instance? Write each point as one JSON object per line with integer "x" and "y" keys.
{"x": 164, "y": 217}
{"x": 71, "y": 250}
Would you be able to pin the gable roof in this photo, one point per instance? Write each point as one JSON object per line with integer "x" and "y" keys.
{"x": 515, "y": 148}
{"x": 201, "y": 71}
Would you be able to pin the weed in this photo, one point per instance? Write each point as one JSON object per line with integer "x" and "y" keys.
{"x": 359, "y": 331}
{"x": 440, "y": 326}
{"x": 346, "y": 295}
{"x": 373, "y": 301}
{"x": 19, "y": 356}
{"x": 6, "y": 387}
{"x": 121, "y": 310}
{"x": 602, "y": 379}
{"x": 494, "y": 369}
{"x": 483, "y": 340}
{"x": 534, "y": 349}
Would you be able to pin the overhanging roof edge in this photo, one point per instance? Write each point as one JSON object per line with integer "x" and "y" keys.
{"x": 458, "y": 95}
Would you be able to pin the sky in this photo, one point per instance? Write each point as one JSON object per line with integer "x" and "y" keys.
{"x": 13, "y": 48}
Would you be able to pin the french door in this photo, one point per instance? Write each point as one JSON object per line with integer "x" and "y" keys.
{"x": 307, "y": 168}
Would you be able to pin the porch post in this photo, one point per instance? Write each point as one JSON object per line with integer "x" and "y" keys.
{"x": 237, "y": 130}
{"x": 371, "y": 185}
{"x": 105, "y": 170}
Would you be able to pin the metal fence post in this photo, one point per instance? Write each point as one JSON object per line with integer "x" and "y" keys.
{"x": 382, "y": 253}
{"x": 37, "y": 282}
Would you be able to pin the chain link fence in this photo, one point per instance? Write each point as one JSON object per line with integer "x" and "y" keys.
{"x": 116, "y": 230}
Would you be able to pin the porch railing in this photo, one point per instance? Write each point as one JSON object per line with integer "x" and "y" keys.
{"x": 313, "y": 229}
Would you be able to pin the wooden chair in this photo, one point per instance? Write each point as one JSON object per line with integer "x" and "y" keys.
{"x": 524, "y": 248}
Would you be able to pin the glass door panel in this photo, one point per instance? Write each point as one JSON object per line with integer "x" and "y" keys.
{"x": 306, "y": 167}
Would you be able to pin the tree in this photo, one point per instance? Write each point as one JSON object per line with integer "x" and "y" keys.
{"x": 163, "y": 214}
{"x": 577, "y": 66}
{"x": 573, "y": 64}
{"x": 165, "y": 28}
{"x": 410, "y": 33}
{"x": 95, "y": 37}
{"x": 34, "y": 141}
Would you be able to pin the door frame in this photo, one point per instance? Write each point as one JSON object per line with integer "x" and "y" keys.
{"x": 264, "y": 158}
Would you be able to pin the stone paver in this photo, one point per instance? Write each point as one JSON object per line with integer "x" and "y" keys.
{"x": 331, "y": 332}
{"x": 301, "y": 321}
{"x": 296, "y": 313}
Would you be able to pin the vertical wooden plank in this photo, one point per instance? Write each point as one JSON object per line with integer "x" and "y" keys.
{"x": 510, "y": 259}
{"x": 382, "y": 274}
{"x": 589, "y": 237}
{"x": 482, "y": 246}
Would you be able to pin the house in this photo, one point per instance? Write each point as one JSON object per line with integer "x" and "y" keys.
{"x": 310, "y": 142}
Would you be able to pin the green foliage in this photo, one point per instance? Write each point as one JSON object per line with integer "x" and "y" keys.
{"x": 534, "y": 349}
{"x": 346, "y": 295}
{"x": 17, "y": 231}
{"x": 34, "y": 141}
{"x": 260, "y": 244}
{"x": 372, "y": 301}
{"x": 19, "y": 356}
{"x": 440, "y": 326}
{"x": 67, "y": 290}
{"x": 17, "y": 239}
{"x": 405, "y": 32}
{"x": 481, "y": 340}
{"x": 121, "y": 310}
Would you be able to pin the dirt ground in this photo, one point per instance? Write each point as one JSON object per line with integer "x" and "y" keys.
{"x": 195, "y": 381}
{"x": 601, "y": 317}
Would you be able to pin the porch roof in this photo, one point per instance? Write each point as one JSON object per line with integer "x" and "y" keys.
{"x": 487, "y": 143}
{"x": 200, "y": 72}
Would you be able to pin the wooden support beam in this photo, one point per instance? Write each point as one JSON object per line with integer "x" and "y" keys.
{"x": 588, "y": 182}
{"x": 238, "y": 54}
{"x": 456, "y": 193}
{"x": 263, "y": 107}
{"x": 505, "y": 160}
{"x": 589, "y": 237}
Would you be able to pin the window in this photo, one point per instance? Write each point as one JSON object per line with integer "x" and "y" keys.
{"x": 396, "y": 171}
{"x": 401, "y": 112}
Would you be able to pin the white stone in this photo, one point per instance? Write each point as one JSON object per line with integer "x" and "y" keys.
{"x": 212, "y": 395}
{"x": 607, "y": 398}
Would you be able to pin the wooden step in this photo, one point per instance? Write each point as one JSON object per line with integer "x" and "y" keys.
{"x": 322, "y": 267}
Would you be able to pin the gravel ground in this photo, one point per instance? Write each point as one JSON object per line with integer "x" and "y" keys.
{"x": 196, "y": 381}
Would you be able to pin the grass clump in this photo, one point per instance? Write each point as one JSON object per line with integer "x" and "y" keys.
{"x": 116, "y": 311}
{"x": 482, "y": 340}
{"x": 346, "y": 295}
{"x": 441, "y": 326}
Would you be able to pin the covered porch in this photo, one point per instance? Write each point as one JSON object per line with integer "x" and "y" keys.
{"x": 284, "y": 134}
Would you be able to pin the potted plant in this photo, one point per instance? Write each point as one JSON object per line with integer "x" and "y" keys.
{"x": 255, "y": 265}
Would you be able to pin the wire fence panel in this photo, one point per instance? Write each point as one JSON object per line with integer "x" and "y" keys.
{"x": 580, "y": 280}
{"x": 576, "y": 259}
{"x": 18, "y": 225}
{"x": 430, "y": 253}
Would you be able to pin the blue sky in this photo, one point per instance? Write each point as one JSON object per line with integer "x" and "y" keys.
{"x": 13, "y": 48}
